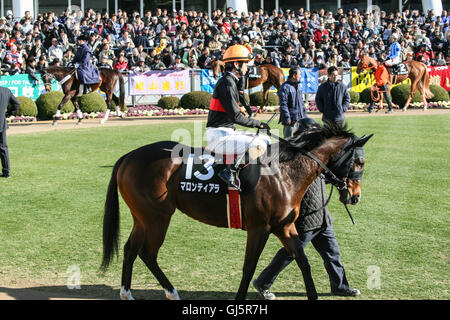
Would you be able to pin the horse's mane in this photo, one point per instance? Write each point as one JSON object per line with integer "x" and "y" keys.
{"x": 51, "y": 69}
{"x": 310, "y": 138}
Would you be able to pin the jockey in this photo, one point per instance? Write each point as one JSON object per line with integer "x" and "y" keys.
{"x": 382, "y": 78}
{"x": 221, "y": 136}
{"x": 87, "y": 73}
{"x": 395, "y": 51}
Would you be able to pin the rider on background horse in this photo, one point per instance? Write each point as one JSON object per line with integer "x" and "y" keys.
{"x": 395, "y": 51}
{"x": 224, "y": 112}
{"x": 87, "y": 72}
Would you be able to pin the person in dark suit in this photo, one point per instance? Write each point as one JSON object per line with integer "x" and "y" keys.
{"x": 333, "y": 98}
{"x": 313, "y": 225}
{"x": 6, "y": 97}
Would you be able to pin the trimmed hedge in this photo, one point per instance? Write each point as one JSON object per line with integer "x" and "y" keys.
{"x": 195, "y": 99}
{"x": 440, "y": 94}
{"x": 48, "y": 102}
{"x": 365, "y": 96}
{"x": 92, "y": 102}
{"x": 354, "y": 96}
{"x": 168, "y": 103}
{"x": 28, "y": 107}
{"x": 401, "y": 93}
{"x": 257, "y": 98}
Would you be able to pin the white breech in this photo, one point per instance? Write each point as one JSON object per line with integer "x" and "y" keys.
{"x": 227, "y": 141}
{"x": 393, "y": 61}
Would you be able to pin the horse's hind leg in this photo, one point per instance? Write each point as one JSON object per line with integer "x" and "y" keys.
{"x": 256, "y": 240}
{"x": 131, "y": 249}
{"x": 117, "y": 102}
{"x": 77, "y": 107}
{"x": 154, "y": 238}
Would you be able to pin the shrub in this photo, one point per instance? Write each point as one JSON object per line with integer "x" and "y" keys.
{"x": 92, "y": 102}
{"x": 440, "y": 94}
{"x": 365, "y": 96}
{"x": 195, "y": 99}
{"x": 27, "y": 107}
{"x": 169, "y": 103}
{"x": 354, "y": 96}
{"x": 401, "y": 93}
{"x": 257, "y": 98}
{"x": 48, "y": 102}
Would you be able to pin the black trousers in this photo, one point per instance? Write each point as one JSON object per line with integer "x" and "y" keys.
{"x": 386, "y": 98}
{"x": 325, "y": 243}
{"x": 4, "y": 154}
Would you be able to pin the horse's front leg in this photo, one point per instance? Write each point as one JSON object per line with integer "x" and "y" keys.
{"x": 256, "y": 240}
{"x": 66, "y": 98}
{"x": 291, "y": 241}
{"x": 265, "y": 97}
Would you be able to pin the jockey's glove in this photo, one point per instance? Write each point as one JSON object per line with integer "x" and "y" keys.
{"x": 264, "y": 126}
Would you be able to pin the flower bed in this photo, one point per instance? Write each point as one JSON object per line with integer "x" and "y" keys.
{"x": 154, "y": 111}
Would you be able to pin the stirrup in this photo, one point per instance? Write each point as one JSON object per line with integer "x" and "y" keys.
{"x": 230, "y": 178}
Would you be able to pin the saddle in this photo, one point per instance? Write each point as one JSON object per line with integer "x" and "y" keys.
{"x": 254, "y": 72}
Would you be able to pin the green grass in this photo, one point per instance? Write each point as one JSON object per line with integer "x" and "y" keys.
{"x": 51, "y": 218}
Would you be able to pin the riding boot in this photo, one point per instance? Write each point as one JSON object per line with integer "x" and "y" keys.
{"x": 228, "y": 175}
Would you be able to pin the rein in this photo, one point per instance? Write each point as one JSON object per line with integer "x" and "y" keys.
{"x": 340, "y": 184}
{"x": 62, "y": 81}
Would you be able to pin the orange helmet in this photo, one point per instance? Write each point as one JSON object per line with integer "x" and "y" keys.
{"x": 237, "y": 52}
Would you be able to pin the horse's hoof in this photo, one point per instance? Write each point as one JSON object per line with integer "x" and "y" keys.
{"x": 125, "y": 294}
{"x": 172, "y": 295}
{"x": 404, "y": 109}
{"x": 54, "y": 123}
{"x": 79, "y": 123}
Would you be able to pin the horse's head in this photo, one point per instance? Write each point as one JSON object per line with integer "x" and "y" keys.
{"x": 349, "y": 167}
{"x": 217, "y": 66}
{"x": 47, "y": 79}
{"x": 365, "y": 62}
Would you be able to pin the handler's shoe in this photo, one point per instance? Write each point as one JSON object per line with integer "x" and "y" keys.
{"x": 350, "y": 292}
{"x": 389, "y": 111}
{"x": 5, "y": 175}
{"x": 264, "y": 293}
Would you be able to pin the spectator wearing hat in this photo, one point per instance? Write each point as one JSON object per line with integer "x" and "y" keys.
{"x": 177, "y": 65}
{"x": 157, "y": 64}
{"x": 141, "y": 67}
{"x": 103, "y": 63}
{"x": 107, "y": 53}
{"x": 214, "y": 44}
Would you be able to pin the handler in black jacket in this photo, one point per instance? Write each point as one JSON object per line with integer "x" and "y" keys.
{"x": 333, "y": 98}
{"x": 314, "y": 224}
{"x": 6, "y": 97}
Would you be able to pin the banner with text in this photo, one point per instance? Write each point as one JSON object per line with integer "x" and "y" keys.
{"x": 440, "y": 76}
{"x": 22, "y": 85}
{"x": 166, "y": 82}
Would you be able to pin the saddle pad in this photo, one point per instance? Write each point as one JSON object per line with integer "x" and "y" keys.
{"x": 199, "y": 170}
{"x": 401, "y": 69}
{"x": 253, "y": 72}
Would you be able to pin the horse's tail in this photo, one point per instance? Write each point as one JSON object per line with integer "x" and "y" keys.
{"x": 426, "y": 84}
{"x": 122, "y": 92}
{"x": 111, "y": 219}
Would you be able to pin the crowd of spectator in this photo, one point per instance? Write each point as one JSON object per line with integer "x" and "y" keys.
{"x": 162, "y": 39}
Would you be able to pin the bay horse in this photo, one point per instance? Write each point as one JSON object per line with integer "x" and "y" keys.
{"x": 70, "y": 85}
{"x": 270, "y": 76}
{"x": 148, "y": 179}
{"x": 417, "y": 72}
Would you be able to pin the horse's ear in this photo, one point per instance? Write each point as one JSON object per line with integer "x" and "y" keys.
{"x": 362, "y": 141}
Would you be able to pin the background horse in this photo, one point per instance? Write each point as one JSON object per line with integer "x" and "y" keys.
{"x": 270, "y": 76}
{"x": 148, "y": 180}
{"x": 417, "y": 72}
{"x": 71, "y": 87}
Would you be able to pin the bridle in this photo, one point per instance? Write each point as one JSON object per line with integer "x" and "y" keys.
{"x": 365, "y": 64}
{"x": 340, "y": 168}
